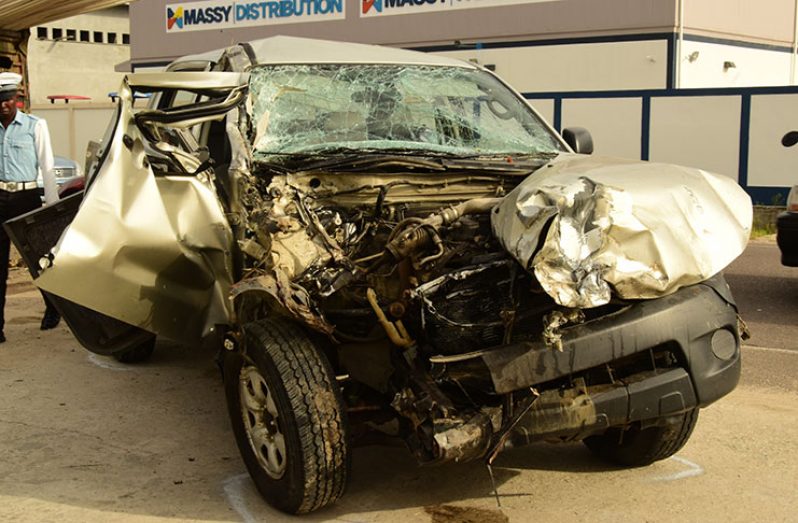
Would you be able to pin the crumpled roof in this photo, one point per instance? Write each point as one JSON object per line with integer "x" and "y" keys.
{"x": 295, "y": 50}
{"x": 17, "y": 15}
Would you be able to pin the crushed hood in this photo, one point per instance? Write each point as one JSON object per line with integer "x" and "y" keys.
{"x": 640, "y": 230}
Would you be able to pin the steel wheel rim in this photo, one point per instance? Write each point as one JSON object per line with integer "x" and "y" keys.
{"x": 262, "y": 422}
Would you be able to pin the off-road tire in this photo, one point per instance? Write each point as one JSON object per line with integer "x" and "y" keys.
{"x": 637, "y": 447}
{"x": 138, "y": 354}
{"x": 311, "y": 416}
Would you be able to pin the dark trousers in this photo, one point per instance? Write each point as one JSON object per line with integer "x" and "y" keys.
{"x": 12, "y": 204}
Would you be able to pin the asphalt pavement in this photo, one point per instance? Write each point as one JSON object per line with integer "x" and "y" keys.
{"x": 767, "y": 295}
{"x": 86, "y": 439}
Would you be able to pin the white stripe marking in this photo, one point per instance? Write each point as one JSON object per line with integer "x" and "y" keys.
{"x": 234, "y": 492}
{"x": 771, "y": 349}
{"x": 106, "y": 363}
{"x": 693, "y": 469}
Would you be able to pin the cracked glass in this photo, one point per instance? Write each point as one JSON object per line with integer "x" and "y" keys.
{"x": 445, "y": 110}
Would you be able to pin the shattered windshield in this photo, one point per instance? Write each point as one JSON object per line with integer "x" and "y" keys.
{"x": 307, "y": 109}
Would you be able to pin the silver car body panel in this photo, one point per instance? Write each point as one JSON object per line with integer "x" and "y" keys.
{"x": 150, "y": 251}
{"x": 642, "y": 230}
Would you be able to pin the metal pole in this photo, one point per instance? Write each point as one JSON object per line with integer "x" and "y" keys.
{"x": 679, "y": 39}
{"x": 794, "y": 45}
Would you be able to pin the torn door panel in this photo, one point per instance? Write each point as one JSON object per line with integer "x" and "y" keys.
{"x": 161, "y": 258}
{"x": 642, "y": 230}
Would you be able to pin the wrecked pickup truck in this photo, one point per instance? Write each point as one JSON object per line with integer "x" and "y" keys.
{"x": 382, "y": 240}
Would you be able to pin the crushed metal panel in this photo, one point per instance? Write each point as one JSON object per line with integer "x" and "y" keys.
{"x": 642, "y": 230}
{"x": 151, "y": 251}
{"x": 188, "y": 80}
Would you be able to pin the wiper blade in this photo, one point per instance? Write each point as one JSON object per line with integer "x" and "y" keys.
{"x": 356, "y": 162}
{"x": 367, "y": 159}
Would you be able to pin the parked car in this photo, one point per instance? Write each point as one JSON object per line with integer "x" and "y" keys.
{"x": 378, "y": 239}
{"x": 787, "y": 222}
{"x": 787, "y": 230}
{"x": 66, "y": 171}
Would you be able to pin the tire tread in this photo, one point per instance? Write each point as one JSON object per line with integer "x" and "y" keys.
{"x": 637, "y": 448}
{"x": 316, "y": 404}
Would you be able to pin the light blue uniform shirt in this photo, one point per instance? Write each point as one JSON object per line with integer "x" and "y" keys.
{"x": 19, "y": 161}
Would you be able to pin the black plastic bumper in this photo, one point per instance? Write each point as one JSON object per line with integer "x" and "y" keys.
{"x": 700, "y": 322}
{"x": 787, "y": 238}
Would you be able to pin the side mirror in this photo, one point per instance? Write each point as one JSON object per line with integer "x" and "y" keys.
{"x": 790, "y": 139}
{"x": 579, "y": 139}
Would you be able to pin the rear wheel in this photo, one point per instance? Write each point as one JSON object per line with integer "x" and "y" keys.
{"x": 288, "y": 417}
{"x": 636, "y": 447}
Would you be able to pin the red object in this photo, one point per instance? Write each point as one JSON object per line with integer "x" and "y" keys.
{"x": 72, "y": 186}
{"x": 66, "y": 97}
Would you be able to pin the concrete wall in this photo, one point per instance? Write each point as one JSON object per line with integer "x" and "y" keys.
{"x": 768, "y": 21}
{"x": 75, "y": 67}
{"x": 614, "y": 123}
{"x": 577, "y": 67}
{"x": 697, "y": 131}
{"x": 771, "y": 117}
{"x": 72, "y": 126}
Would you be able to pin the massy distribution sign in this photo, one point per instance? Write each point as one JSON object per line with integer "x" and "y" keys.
{"x": 406, "y": 7}
{"x": 221, "y": 14}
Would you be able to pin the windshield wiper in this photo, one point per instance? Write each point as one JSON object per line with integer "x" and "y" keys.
{"x": 353, "y": 160}
{"x": 511, "y": 164}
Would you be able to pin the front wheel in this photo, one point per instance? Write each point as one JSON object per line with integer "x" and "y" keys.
{"x": 138, "y": 353}
{"x": 636, "y": 447}
{"x": 288, "y": 417}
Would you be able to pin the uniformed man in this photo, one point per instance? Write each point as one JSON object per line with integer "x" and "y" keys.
{"x": 24, "y": 151}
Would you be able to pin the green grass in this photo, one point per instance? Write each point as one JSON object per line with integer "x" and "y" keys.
{"x": 763, "y": 230}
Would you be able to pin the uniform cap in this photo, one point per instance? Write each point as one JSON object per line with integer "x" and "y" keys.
{"x": 9, "y": 84}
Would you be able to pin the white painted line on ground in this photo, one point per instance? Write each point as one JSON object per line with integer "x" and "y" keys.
{"x": 109, "y": 364}
{"x": 234, "y": 492}
{"x": 771, "y": 349}
{"x": 693, "y": 469}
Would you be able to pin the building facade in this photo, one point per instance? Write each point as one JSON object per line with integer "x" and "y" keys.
{"x": 78, "y": 55}
{"x": 537, "y": 45}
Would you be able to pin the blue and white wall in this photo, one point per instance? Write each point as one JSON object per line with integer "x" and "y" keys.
{"x": 733, "y": 132}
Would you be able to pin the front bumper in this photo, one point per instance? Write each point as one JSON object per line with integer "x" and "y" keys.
{"x": 787, "y": 238}
{"x": 698, "y": 323}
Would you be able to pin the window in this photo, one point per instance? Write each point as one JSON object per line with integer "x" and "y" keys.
{"x": 111, "y": 38}
{"x": 84, "y": 36}
{"x": 71, "y": 35}
{"x": 41, "y": 33}
{"x": 98, "y": 37}
{"x": 58, "y": 33}
{"x": 125, "y": 39}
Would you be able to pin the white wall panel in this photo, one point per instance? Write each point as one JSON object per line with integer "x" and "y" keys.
{"x": 90, "y": 124}
{"x": 72, "y": 126}
{"x": 58, "y": 122}
{"x": 545, "y": 108}
{"x": 577, "y": 67}
{"x": 769, "y": 163}
{"x": 752, "y": 67}
{"x": 697, "y": 131}
{"x": 614, "y": 123}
